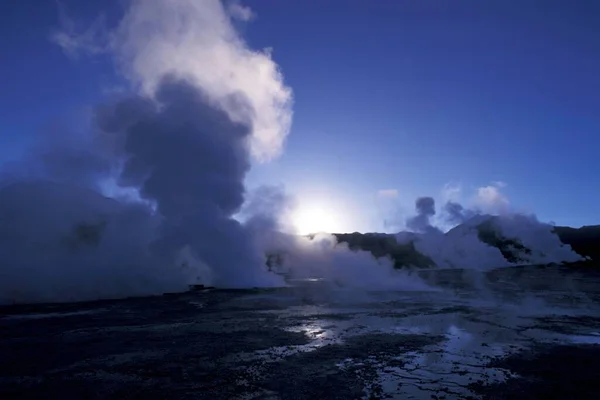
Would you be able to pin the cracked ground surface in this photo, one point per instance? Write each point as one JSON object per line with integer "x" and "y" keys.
{"x": 506, "y": 334}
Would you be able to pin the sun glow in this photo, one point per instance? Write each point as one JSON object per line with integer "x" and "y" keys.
{"x": 314, "y": 220}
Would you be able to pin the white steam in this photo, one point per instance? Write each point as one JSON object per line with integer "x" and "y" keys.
{"x": 322, "y": 257}
{"x": 488, "y": 235}
{"x": 176, "y": 150}
{"x": 195, "y": 40}
{"x": 317, "y": 256}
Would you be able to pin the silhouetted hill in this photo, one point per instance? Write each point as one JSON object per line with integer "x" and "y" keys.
{"x": 381, "y": 245}
{"x": 510, "y": 248}
{"x": 584, "y": 241}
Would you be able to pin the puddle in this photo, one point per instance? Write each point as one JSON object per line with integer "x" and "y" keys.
{"x": 592, "y": 338}
{"x": 53, "y": 314}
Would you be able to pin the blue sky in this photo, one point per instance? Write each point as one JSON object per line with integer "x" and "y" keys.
{"x": 397, "y": 95}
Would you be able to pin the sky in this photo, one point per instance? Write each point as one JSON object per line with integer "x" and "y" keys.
{"x": 391, "y": 100}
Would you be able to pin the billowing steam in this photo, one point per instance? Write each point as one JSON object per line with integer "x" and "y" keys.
{"x": 425, "y": 207}
{"x": 149, "y": 200}
{"x": 195, "y": 40}
{"x": 174, "y": 153}
{"x": 482, "y": 241}
{"x": 182, "y": 143}
{"x": 316, "y": 256}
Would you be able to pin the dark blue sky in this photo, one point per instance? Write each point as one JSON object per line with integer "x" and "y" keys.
{"x": 406, "y": 95}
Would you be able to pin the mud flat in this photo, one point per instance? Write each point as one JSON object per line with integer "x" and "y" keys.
{"x": 527, "y": 332}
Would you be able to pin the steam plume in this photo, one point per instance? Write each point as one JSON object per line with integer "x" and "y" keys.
{"x": 480, "y": 240}
{"x": 183, "y": 143}
{"x": 174, "y": 152}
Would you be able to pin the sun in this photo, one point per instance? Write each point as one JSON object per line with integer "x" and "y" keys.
{"x": 314, "y": 220}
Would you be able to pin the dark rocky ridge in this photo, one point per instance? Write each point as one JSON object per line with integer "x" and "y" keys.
{"x": 511, "y": 249}
{"x": 585, "y": 241}
{"x": 382, "y": 245}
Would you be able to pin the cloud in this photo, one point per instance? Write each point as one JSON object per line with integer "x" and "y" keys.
{"x": 482, "y": 235}
{"x": 93, "y": 40}
{"x": 196, "y": 41}
{"x": 456, "y": 214}
{"x": 180, "y": 153}
{"x": 425, "y": 207}
{"x": 485, "y": 235}
{"x": 388, "y": 194}
{"x": 487, "y": 199}
{"x": 190, "y": 159}
{"x": 173, "y": 150}
{"x": 268, "y": 208}
{"x": 182, "y": 137}
{"x": 240, "y": 12}
{"x": 491, "y": 200}
{"x": 323, "y": 257}
{"x": 454, "y": 211}
{"x": 452, "y": 192}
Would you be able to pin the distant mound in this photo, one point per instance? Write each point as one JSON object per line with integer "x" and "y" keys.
{"x": 482, "y": 242}
{"x": 383, "y": 245}
{"x": 585, "y": 240}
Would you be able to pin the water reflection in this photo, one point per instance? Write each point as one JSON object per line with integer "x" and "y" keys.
{"x": 475, "y": 331}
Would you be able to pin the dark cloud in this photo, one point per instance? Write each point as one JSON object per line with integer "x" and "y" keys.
{"x": 60, "y": 155}
{"x": 455, "y": 213}
{"x": 191, "y": 160}
{"x": 62, "y": 242}
{"x": 425, "y": 207}
{"x": 183, "y": 155}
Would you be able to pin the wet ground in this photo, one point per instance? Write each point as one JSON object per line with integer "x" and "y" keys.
{"x": 508, "y": 334}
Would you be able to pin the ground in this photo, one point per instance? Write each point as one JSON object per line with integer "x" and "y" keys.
{"x": 506, "y": 334}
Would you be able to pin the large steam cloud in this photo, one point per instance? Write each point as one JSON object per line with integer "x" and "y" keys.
{"x": 183, "y": 143}
{"x": 174, "y": 153}
{"x": 196, "y": 41}
{"x": 486, "y": 235}
{"x": 184, "y": 156}
{"x": 149, "y": 199}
